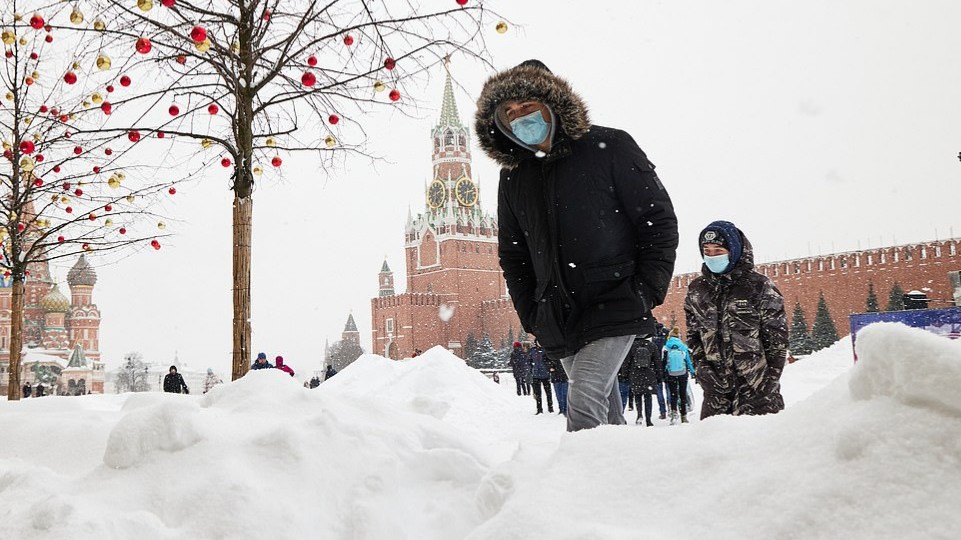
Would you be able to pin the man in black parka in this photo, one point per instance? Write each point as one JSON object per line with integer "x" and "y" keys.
{"x": 587, "y": 232}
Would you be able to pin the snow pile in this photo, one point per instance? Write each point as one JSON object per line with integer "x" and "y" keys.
{"x": 427, "y": 448}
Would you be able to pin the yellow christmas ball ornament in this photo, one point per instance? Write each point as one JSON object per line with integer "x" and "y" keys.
{"x": 96, "y": 98}
{"x": 65, "y": 200}
{"x": 73, "y": 116}
{"x": 206, "y": 143}
{"x": 270, "y": 142}
{"x": 121, "y": 176}
{"x": 76, "y": 65}
{"x": 235, "y": 47}
{"x": 258, "y": 170}
{"x": 107, "y": 222}
{"x": 86, "y": 105}
{"x": 161, "y": 225}
{"x": 23, "y": 41}
{"x": 113, "y": 182}
{"x": 7, "y": 146}
{"x": 145, "y": 5}
{"x": 501, "y": 27}
{"x": 99, "y": 25}
{"x": 9, "y": 96}
{"x": 75, "y": 16}
{"x": 8, "y": 37}
{"x": 103, "y": 62}
{"x": 26, "y": 164}
{"x": 330, "y": 141}
{"x": 379, "y": 86}
{"x": 18, "y": 17}
{"x": 131, "y": 199}
{"x": 27, "y": 121}
{"x": 202, "y": 46}
{"x": 35, "y": 75}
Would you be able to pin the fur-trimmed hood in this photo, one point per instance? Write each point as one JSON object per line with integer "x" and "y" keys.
{"x": 530, "y": 80}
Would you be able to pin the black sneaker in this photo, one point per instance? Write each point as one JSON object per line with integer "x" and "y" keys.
{"x": 663, "y": 416}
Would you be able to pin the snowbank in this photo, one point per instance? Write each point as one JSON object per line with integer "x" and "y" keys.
{"x": 427, "y": 448}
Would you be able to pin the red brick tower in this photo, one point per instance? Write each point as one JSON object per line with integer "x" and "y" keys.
{"x": 83, "y": 321}
{"x": 454, "y": 282}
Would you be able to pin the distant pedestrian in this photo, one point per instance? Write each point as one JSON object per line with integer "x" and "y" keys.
{"x": 417, "y": 352}
{"x": 261, "y": 362}
{"x": 560, "y": 383}
{"x": 279, "y": 364}
{"x": 541, "y": 377}
{"x": 27, "y": 390}
{"x": 624, "y": 381}
{"x": 517, "y": 362}
{"x": 329, "y": 372}
{"x": 496, "y": 378}
{"x": 643, "y": 369}
{"x": 737, "y": 327}
{"x": 678, "y": 360}
{"x": 660, "y": 370}
{"x": 40, "y": 390}
{"x": 174, "y": 382}
{"x": 211, "y": 380}
{"x": 314, "y": 382}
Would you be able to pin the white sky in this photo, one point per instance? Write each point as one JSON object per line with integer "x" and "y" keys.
{"x": 813, "y": 125}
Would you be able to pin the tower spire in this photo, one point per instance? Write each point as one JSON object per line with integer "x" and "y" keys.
{"x": 448, "y": 112}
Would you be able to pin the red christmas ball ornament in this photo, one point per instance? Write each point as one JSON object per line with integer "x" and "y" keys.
{"x": 64, "y": 118}
{"x": 106, "y": 107}
{"x": 143, "y": 45}
{"x": 69, "y": 210}
{"x": 308, "y": 79}
{"x": 172, "y": 191}
{"x": 86, "y": 246}
{"x": 394, "y": 95}
{"x": 267, "y": 14}
{"x": 70, "y": 77}
{"x": 198, "y": 34}
{"x": 155, "y": 244}
{"x": 133, "y": 135}
{"x": 311, "y": 61}
{"x": 461, "y": 2}
{"x": 213, "y": 108}
{"x": 225, "y": 162}
{"x": 389, "y": 63}
{"x": 77, "y": 150}
{"x": 333, "y": 119}
{"x": 66, "y": 186}
{"x": 61, "y": 239}
{"x": 348, "y": 40}
{"x": 92, "y": 217}
{"x": 96, "y": 169}
{"x": 36, "y": 21}
{"x": 78, "y": 192}
{"x": 123, "y": 230}
{"x": 67, "y": 134}
{"x": 108, "y": 208}
{"x": 28, "y": 80}
{"x": 56, "y": 168}
{"x": 168, "y": 3}
{"x": 8, "y": 53}
{"x": 124, "y": 81}
{"x": 39, "y": 158}
{"x": 43, "y": 109}
{"x": 160, "y": 135}
{"x": 181, "y": 59}
{"x": 27, "y": 147}
{"x": 174, "y": 110}
{"x": 8, "y": 154}
{"x": 109, "y": 88}
{"x": 276, "y": 161}
{"x": 48, "y": 38}
{"x": 21, "y": 227}
{"x": 108, "y": 151}
{"x": 34, "y": 56}
{"x": 38, "y": 182}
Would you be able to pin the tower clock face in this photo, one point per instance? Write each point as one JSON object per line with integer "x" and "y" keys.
{"x": 436, "y": 194}
{"x": 466, "y": 191}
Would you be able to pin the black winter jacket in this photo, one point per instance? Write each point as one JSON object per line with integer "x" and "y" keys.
{"x": 174, "y": 383}
{"x": 643, "y": 375}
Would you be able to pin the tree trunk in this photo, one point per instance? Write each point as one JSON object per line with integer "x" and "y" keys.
{"x": 16, "y": 340}
{"x": 243, "y": 211}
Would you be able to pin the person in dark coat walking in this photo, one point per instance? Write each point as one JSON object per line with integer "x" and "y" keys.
{"x": 261, "y": 362}
{"x": 624, "y": 381}
{"x": 736, "y": 327}
{"x": 660, "y": 370}
{"x": 520, "y": 366}
{"x": 174, "y": 382}
{"x": 27, "y": 390}
{"x": 541, "y": 376}
{"x": 559, "y": 381}
{"x": 329, "y": 372}
{"x": 591, "y": 189}
{"x": 643, "y": 375}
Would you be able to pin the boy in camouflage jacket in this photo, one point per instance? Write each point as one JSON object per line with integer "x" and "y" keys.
{"x": 736, "y": 327}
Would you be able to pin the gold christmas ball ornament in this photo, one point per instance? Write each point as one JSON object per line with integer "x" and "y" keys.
{"x": 379, "y": 86}
{"x": 86, "y": 104}
{"x": 103, "y": 62}
{"x": 330, "y": 141}
{"x": 501, "y": 27}
{"x": 235, "y": 47}
{"x": 161, "y": 225}
{"x": 64, "y": 200}
{"x": 76, "y": 66}
{"x": 26, "y": 164}
{"x": 18, "y": 17}
{"x": 7, "y": 146}
{"x": 121, "y": 176}
{"x": 202, "y": 46}
{"x": 271, "y": 142}
{"x": 206, "y": 143}
{"x": 99, "y": 25}
{"x": 8, "y": 37}
{"x": 35, "y": 75}
{"x": 73, "y": 116}
{"x": 75, "y": 16}
{"x": 131, "y": 199}
{"x": 113, "y": 182}
{"x": 145, "y": 5}
{"x": 23, "y": 42}
{"x": 96, "y": 98}
{"x": 258, "y": 170}
{"x": 27, "y": 121}
{"x": 107, "y": 222}
{"x": 9, "y": 96}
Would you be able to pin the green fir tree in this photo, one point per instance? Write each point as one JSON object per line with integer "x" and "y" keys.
{"x": 824, "y": 333}
{"x": 470, "y": 345}
{"x": 896, "y": 298}
{"x": 800, "y": 340}
{"x": 872, "y": 304}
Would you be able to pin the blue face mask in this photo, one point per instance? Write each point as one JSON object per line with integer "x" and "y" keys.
{"x": 531, "y": 129}
{"x": 718, "y": 263}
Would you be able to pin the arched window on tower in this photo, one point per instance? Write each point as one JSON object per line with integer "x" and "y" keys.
{"x": 449, "y": 138}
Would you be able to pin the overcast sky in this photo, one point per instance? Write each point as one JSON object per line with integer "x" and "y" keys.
{"x": 815, "y": 126}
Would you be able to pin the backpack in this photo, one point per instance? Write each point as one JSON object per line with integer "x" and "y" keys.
{"x": 675, "y": 361}
{"x": 642, "y": 358}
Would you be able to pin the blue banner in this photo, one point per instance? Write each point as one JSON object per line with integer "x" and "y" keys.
{"x": 941, "y": 321}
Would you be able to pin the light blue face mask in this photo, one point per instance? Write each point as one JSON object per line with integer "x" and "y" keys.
{"x": 531, "y": 129}
{"x": 718, "y": 263}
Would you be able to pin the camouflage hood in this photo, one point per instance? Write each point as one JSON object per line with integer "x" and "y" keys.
{"x": 530, "y": 80}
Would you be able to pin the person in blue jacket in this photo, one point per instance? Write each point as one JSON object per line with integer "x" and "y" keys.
{"x": 677, "y": 358}
{"x": 261, "y": 362}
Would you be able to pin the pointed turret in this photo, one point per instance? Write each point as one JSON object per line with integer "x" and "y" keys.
{"x": 448, "y": 111}
{"x": 350, "y": 331}
{"x": 385, "y": 280}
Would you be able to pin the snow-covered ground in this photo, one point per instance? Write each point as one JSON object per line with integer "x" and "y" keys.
{"x": 428, "y": 448}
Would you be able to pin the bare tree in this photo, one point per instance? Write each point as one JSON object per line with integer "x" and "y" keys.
{"x": 134, "y": 375}
{"x": 63, "y": 188}
{"x": 255, "y": 80}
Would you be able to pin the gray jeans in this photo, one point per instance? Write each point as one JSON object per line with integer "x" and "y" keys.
{"x": 593, "y": 397}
